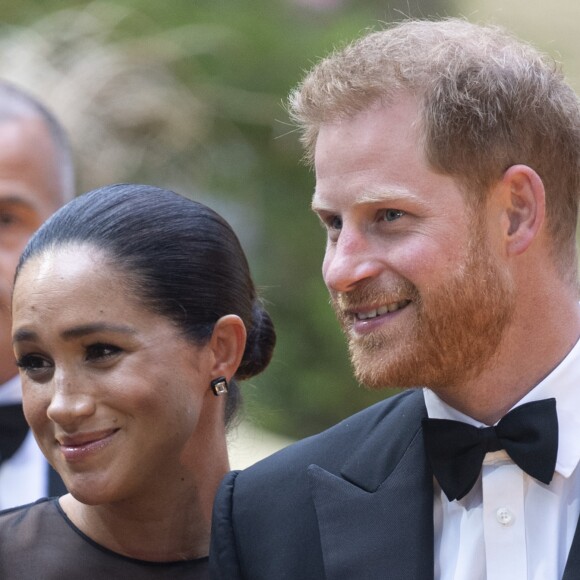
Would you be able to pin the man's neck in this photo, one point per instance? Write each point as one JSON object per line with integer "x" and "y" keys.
{"x": 531, "y": 349}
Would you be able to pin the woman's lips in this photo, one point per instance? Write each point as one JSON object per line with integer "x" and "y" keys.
{"x": 81, "y": 446}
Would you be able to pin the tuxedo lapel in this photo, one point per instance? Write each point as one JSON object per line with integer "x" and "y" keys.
{"x": 375, "y": 519}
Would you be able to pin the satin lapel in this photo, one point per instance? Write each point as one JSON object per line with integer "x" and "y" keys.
{"x": 376, "y": 519}
{"x": 572, "y": 570}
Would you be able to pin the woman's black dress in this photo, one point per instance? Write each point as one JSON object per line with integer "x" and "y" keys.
{"x": 38, "y": 541}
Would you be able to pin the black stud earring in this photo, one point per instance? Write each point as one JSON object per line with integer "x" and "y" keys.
{"x": 219, "y": 386}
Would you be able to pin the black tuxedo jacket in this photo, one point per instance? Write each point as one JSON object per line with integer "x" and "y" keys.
{"x": 353, "y": 503}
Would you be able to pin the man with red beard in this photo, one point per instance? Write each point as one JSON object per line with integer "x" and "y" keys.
{"x": 447, "y": 160}
{"x": 36, "y": 178}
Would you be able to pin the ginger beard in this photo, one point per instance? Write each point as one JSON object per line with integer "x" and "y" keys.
{"x": 457, "y": 328}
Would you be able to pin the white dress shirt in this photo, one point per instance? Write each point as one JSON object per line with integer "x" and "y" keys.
{"x": 23, "y": 477}
{"x": 511, "y": 526}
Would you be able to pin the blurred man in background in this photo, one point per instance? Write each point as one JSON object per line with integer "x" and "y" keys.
{"x": 447, "y": 160}
{"x": 36, "y": 178}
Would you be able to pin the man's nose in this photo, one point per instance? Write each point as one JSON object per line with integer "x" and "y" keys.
{"x": 350, "y": 261}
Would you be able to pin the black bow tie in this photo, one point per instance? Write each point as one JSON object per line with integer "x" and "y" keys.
{"x": 13, "y": 430}
{"x": 528, "y": 433}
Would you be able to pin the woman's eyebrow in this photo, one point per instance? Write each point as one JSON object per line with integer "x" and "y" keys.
{"x": 24, "y": 334}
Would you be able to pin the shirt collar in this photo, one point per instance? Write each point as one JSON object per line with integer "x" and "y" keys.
{"x": 10, "y": 391}
{"x": 563, "y": 383}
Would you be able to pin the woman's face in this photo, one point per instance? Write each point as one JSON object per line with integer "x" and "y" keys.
{"x": 112, "y": 392}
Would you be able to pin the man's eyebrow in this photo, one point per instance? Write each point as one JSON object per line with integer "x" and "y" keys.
{"x": 379, "y": 195}
{"x": 388, "y": 194}
{"x": 23, "y": 334}
{"x": 317, "y": 207}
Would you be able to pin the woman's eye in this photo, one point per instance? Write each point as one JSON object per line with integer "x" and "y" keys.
{"x": 390, "y": 215}
{"x": 101, "y": 351}
{"x": 31, "y": 363}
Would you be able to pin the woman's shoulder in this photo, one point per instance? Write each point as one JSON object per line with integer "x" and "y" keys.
{"x": 23, "y": 514}
{"x": 23, "y": 530}
{"x": 24, "y": 524}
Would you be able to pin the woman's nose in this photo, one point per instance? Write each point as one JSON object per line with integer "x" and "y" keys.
{"x": 68, "y": 406}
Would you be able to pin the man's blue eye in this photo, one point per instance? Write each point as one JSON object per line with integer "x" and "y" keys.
{"x": 335, "y": 223}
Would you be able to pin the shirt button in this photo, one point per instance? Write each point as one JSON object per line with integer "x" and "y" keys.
{"x": 504, "y": 516}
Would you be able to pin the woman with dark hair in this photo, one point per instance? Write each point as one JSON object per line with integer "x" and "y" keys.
{"x": 134, "y": 314}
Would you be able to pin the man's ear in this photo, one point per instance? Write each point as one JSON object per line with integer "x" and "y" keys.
{"x": 524, "y": 207}
{"x": 227, "y": 344}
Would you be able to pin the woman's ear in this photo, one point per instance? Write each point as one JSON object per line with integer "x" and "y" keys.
{"x": 524, "y": 207}
{"x": 227, "y": 343}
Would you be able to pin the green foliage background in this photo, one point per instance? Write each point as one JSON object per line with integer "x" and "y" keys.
{"x": 239, "y": 59}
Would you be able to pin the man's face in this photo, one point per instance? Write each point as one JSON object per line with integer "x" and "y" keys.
{"x": 29, "y": 194}
{"x": 421, "y": 296}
